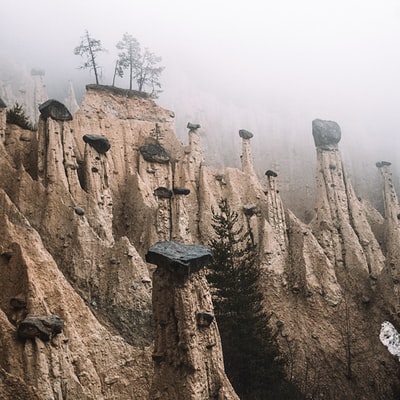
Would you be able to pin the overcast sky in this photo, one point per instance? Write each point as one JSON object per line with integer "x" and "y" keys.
{"x": 336, "y": 59}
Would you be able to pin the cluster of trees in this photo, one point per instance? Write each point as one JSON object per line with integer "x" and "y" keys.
{"x": 252, "y": 359}
{"x": 142, "y": 65}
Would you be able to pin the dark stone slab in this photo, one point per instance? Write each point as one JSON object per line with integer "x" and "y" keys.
{"x": 245, "y": 134}
{"x": 271, "y": 173}
{"x": 43, "y": 327}
{"x": 179, "y": 257}
{"x": 163, "y": 192}
{"x": 55, "y": 110}
{"x": 192, "y": 127}
{"x": 381, "y": 164}
{"x": 99, "y": 142}
{"x": 154, "y": 153}
{"x": 327, "y": 134}
{"x": 178, "y": 190}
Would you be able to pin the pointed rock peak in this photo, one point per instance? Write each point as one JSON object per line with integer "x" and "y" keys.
{"x": 381, "y": 164}
{"x": 192, "y": 126}
{"x": 55, "y": 110}
{"x": 179, "y": 257}
{"x": 327, "y": 134}
{"x": 99, "y": 142}
{"x": 245, "y": 134}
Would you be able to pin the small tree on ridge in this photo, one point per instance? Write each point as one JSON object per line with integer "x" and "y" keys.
{"x": 89, "y": 48}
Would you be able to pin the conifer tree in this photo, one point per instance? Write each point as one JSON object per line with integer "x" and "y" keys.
{"x": 252, "y": 360}
{"x": 89, "y": 47}
{"x": 17, "y": 116}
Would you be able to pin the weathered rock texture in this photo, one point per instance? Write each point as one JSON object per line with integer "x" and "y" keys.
{"x": 75, "y": 225}
{"x": 187, "y": 350}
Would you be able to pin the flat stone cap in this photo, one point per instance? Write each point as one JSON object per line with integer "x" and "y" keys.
{"x": 381, "y": 164}
{"x": 327, "y": 134}
{"x": 179, "y": 257}
{"x": 192, "y": 126}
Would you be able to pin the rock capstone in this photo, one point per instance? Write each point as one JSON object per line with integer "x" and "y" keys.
{"x": 178, "y": 190}
{"x": 179, "y": 257}
{"x": 99, "y": 142}
{"x": 192, "y": 127}
{"x": 154, "y": 153}
{"x": 163, "y": 192}
{"x": 245, "y": 134}
{"x": 381, "y": 164}
{"x": 55, "y": 110}
{"x": 271, "y": 173}
{"x": 327, "y": 134}
{"x": 43, "y": 327}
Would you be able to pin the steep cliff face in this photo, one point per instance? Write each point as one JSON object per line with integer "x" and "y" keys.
{"x": 77, "y": 221}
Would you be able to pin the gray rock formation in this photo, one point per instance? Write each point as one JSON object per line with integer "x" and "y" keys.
{"x": 154, "y": 153}
{"x": 192, "y": 126}
{"x": 187, "y": 352}
{"x": 327, "y": 134}
{"x": 245, "y": 134}
{"x": 55, "y": 110}
{"x": 43, "y": 327}
{"x": 99, "y": 142}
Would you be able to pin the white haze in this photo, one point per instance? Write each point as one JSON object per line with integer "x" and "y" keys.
{"x": 268, "y": 66}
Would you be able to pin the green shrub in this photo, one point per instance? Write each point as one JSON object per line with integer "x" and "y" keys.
{"x": 16, "y": 116}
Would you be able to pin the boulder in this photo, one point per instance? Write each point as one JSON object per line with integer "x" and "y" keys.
{"x": 178, "y": 190}
{"x": 192, "y": 127}
{"x": 245, "y": 134}
{"x": 326, "y": 133}
{"x": 179, "y": 257}
{"x": 55, "y": 110}
{"x": 381, "y": 164}
{"x": 154, "y": 153}
{"x": 271, "y": 173}
{"x": 79, "y": 211}
{"x": 99, "y": 142}
{"x": 163, "y": 192}
{"x": 43, "y": 327}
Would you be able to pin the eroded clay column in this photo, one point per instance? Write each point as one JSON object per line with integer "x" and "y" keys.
{"x": 188, "y": 363}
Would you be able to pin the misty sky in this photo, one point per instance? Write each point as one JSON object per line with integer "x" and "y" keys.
{"x": 336, "y": 59}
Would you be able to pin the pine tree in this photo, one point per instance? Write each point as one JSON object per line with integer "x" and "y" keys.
{"x": 17, "y": 116}
{"x": 252, "y": 360}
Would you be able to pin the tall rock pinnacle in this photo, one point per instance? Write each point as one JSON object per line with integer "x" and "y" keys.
{"x": 247, "y": 159}
{"x": 392, "y": 224}
{"x": 341, "y": 225}
{"x": 187, "y": 350}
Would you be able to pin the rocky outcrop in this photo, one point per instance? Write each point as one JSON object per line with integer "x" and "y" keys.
{"x": 341, "y": 224}
{"x": 187, "y": 351}
{"x": 84, "y": 220}
{"x": 3, "y": 118}
{"x": 43, "y": 327}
